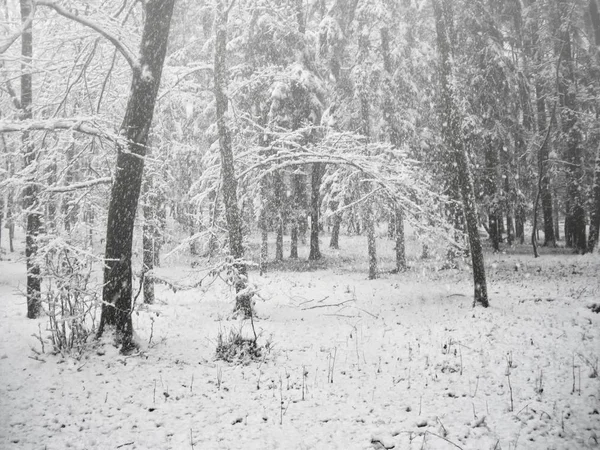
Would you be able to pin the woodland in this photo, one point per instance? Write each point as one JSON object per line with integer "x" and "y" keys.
{"x": 158, "y": 151}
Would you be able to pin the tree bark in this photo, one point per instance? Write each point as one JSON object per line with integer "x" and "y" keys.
{"x": 117, "y": 292}
{"x": 148, "y": 238}
{"x": 334, "y": 241}
{"x": 243, "y": 301}
{"x": 452, "y": 133}
{"x": 395, "y": 139}
{"x": 400, "y": 245}
{"x": 315, "y": 184}
{"x": 278, "y": 193}
{"x": 299, "y": 207}
{"x": 543, "y": 156}
{"x": 595, "y": 210}
{"x": 368, "y": 207}
{"x": 490, "y": 181}
{"x": 571, "y": 130}
{"x": 30, "y": 193}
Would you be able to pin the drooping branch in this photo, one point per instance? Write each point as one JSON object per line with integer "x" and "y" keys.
{"x": 80, "y": 125}
{"x": 127, "y": 54}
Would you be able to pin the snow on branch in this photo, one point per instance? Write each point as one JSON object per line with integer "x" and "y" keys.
{"x": 6, "y": 42}
{"x": 398, "y": 181}
{"x": 85, "y": 126}
{"x": 77, "y": 186}
{"x": 127, "y": 54}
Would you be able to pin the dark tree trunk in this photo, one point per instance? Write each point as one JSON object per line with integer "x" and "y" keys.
{"x": 69, "y": 207}
{"x": 368, "y": 207}
{"x": 263, "y": 225}
{"x": 2, "y": 205}
{"x": 400, "y": 246}
{"x": 520, "y": 227}
{"x": 556, "y": 217}
{"x": 492, "y": 162}
{"x": 30, "y": 193}
{"x": 543, "y": 156}
{"x": 9, "y": 224}
{"x": 278, "y": 188}
{"x": 371, "y": 241}
{"x": 117, "y": 292}
{"x": 315, "y": 185}
{"x": 147, "y": 261}
{"x": 294, "y": 241}
{"x": 571, "y": 129}
{"x": 510, "y": 230}
{"x": 595, "y": 210}
{"x": 243, "y": 301}
{"x": 452, "y": 129}
{"x": 299, "y": 207}
{"x": 397, "y": 216}
{"x": 334, "y": 242}
{"x": 148, "y": 235}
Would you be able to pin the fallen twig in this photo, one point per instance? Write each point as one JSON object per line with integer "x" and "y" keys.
{"x": 327, "y": 306}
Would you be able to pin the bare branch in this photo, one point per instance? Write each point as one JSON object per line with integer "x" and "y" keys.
{"x": 10, "y": 40}
{"x": 77, "y": 186}
{"x": 180, "y": 78}
{"x": 353, "y": 204}
{"x": 81, "y": 125}
{"x": 129, "y": 57}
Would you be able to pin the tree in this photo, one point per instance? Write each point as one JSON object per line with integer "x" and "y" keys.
{"x": 147, "y": 70}
{"x": 229, "y": 181}
{"x": 595, "y": 210}
{"x": 575, "y": 225}
{"x": 452, "y": 134}
{"x": 30, "y": 203}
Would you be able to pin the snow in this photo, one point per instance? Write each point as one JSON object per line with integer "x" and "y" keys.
{"x": 401, "y": 362}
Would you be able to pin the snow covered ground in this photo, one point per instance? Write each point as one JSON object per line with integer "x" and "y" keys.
{"x": 401, "y": 361}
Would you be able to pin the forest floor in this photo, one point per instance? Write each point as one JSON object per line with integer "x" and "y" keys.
{"x": 404, "y": 361}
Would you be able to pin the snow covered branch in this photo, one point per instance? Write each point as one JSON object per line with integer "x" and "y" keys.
{"x": 127, "y": 54}
{"x": 8, "y": 41}
{"x": 80, "y": 125}
{"x": 77, "y": 186}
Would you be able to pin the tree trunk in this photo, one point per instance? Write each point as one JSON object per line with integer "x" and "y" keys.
{"x": 117, "y": 292}
{"x": 452, "y": 129}
{"x": 371, "y": 238}
{"x": 543, "y": 156}
{"x": 595, "y": 211}
{"x": 397, "y": 216}
{"x": 2, "y": 205}
{"x": 334, "y": 242}
{"x": 519, "y": 227}
{"x": 400, "y": 245}
{"x": 148, "y": 234}
{"x": 243, "y": 302}
{"x": 491, "y": 190}
{"x": 315, "y": 184}
{"x": 278, "y": 188}
{"x": 147, "y": 260}
{"x": 299, "y": 206}
{"x": 263, "y": 225}
{"x": 571, "y": 129}
{"x": 556, "y": 217}
{"x": 30, "y": 193}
